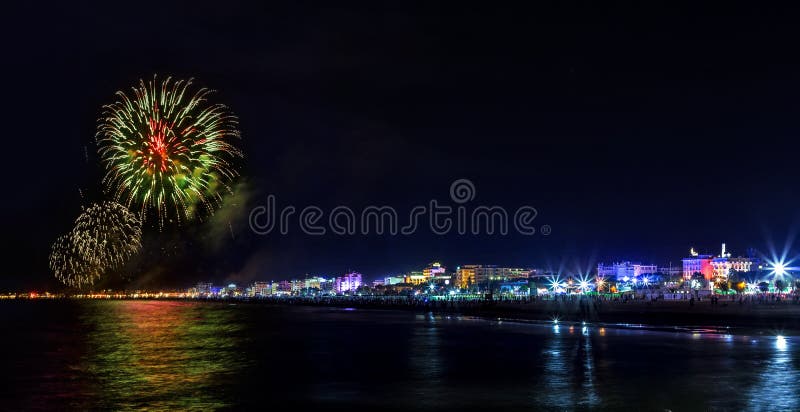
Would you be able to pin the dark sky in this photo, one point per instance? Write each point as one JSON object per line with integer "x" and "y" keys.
{"x": 636, "y": 131}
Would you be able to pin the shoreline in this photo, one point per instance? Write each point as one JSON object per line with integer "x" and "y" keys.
{"x": 779, "y": 317}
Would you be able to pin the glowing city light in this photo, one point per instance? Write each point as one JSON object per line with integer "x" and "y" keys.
{"x": 584, "y": 283}
{"x": 779, "y": 263}
{"x": 556, "y": 285}
{"x": 779, "y": 269}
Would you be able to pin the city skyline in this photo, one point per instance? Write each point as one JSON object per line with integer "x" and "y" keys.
{"x": 623, "y": 146}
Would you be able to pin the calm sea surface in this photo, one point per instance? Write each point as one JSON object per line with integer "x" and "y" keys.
{"x": 202, "y": 356}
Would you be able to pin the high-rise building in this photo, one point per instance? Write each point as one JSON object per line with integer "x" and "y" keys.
{"x": 284, "y": 286}
{"x": 314, "y": 282}
{"x": 261, "y": 289}
{"x": 298, "y": 285}
{"x": 465, "y": 276}
{"x": 348, "y": 283}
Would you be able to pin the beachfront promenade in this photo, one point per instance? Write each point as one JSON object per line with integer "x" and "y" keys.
{"x": 766, "y": 310}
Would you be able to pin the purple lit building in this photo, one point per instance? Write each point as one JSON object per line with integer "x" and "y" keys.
{"x": 347, "y": 283}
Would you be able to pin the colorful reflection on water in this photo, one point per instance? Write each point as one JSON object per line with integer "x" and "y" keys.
{"x": 162, "y": 355}
{"x": 157, "y": 355}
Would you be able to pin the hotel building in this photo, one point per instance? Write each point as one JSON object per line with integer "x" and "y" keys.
{"x": 717, "y": 268}
{"x": 470, "y": 275}
{"x": 347, "y": 283}
{"x": 620, "y": 270}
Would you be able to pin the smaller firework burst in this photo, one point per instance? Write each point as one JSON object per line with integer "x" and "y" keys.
{"x": 70, "y": 265}
{"x": 105, "y": 236}
{"x": 108, "y": 234}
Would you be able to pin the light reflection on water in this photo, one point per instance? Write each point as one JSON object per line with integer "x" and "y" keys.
{"x": 162, "y": 355}
{"x": 775, "y": 387}
{"x": 426, "y": 360}
{"x": 569, "y": 370}
{"x": 200, "y": 356}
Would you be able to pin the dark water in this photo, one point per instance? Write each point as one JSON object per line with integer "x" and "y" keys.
{"x": 187, "y": 355}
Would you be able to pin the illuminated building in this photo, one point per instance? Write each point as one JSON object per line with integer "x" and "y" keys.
{"x": 625, "y": 269}
{"x": 698, "y": 263}
{"x": 716, "y": 268}
{"x": 519, "y": 287}
{"x": 442, "y": 280}
{"x": 315, "y": 282}
{"x": 671, "y": 271}
{"x": 415, "y": 278}
{"x": 231, "y": 290}
{"x": 433, "y": 270}
{"x": 284, "y": 286}
{"x": 468, "y": 275}
{"x": 393, "y": 280}
{"x": 326, "y": 285}
{"x": 261, "y": 289}
{"x": 203, "y": 288}
{"x": 465, "y": 276}
{"x": 724, "y": 264}
{"x": 347, "y": 283}
{"x": 297, "y": 286}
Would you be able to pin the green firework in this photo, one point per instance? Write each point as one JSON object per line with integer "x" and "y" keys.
{"x": 167, "y": 151}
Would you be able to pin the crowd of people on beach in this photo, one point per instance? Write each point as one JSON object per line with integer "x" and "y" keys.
{"x": 582, "y": 303}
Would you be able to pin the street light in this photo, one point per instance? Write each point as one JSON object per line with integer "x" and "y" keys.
{"x": 779, "y": 268}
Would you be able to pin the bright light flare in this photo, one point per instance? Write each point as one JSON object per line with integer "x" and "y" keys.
{"x": 556, "y": 285}
{"x": 779, "y": 269}
{"x": 584, "y": 283}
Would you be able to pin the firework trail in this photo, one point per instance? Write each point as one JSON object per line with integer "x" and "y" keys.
{"x": 167, "y": 151}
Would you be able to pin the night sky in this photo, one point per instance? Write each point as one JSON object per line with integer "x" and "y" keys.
{"x": 636, "y": 132}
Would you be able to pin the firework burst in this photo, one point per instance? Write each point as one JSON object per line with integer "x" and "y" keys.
{"x": 105, "y": 236}
{"x": 70, "y": 265}
{"x": 167, "y": 151}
